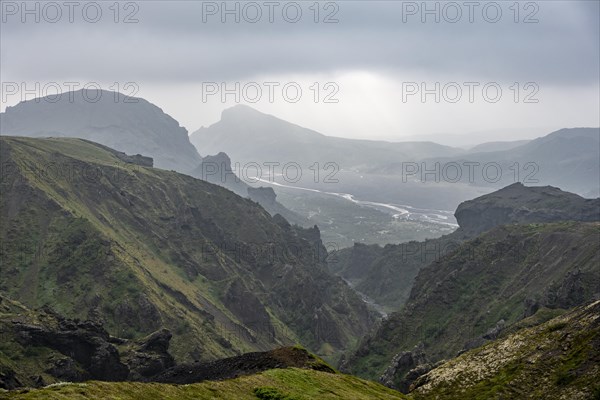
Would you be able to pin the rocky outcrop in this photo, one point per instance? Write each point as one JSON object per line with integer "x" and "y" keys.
{"x": 518, "y": 204}
{"x": 85, "y": 343}
{"x": 149, "y": 356}
{"x": 408, "y": 365}
{"x": 246, "y": 364}
{"x": 8, "y": 378}
{"x": 76, "y": 351}
{"x": 137, "y": 159}
{"x": 60, "y": 349}
{"x": 217, "y": 169}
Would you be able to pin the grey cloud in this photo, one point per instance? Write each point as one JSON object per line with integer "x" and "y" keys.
{"x": 171, "y": 44}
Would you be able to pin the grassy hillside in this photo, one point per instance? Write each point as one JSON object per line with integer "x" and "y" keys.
{"x": 138, "y": 248}
{"x": 278, "y": 384}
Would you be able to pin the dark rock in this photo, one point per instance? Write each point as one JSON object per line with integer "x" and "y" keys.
{"x": 518, "y": 204}
{"x": 150, "y": 356}
{"x": 66, "y": 369}
{"x": 404, "y": 368}
{"x": 84, "y": 342}
{"x": 8, "y": 379}
{"x": 246, "y": 364}
{"x": 137, "y": 159}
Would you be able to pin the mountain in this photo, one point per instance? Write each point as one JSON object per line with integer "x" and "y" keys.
{"x": 481, "y": 288}
{"x": 559, "y": 359}
{"x": 385, "y": 274}
{"x": 128, "y": 124}
{"x": 248, "y": 135}
{"x": 568, "y": 158}
{"x": 497, "y": 146}
{"x": 519, "y": 204}
{"x": 138, "y": 249}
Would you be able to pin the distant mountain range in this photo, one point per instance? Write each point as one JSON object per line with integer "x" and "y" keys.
{"x": 569, "y": 158}
{"x": 497, "y": 146}
{"x": 248, "y": 135}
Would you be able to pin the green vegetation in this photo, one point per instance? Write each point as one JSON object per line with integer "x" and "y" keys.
{"x": 290, "y": 383}
{"x": 557, "y": 359}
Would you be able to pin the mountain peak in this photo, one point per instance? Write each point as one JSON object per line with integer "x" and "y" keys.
{"x": 241, "y": 111}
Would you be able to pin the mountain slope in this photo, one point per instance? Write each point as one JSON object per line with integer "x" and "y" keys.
{"x": 559, "y": 359}
{"x": 568, "y": 158}
{"x": 497, "y": 146}
{"x": 248, "y": 135}
{"x": 488, "y": 283}
{"x": 128, "y": 124}
{"x": 139, "y": 248}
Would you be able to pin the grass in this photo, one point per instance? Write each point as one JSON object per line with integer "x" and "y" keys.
{"x": 278, "y": 384}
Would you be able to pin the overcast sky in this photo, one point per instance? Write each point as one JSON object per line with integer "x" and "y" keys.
{"x": 373, "y": 58}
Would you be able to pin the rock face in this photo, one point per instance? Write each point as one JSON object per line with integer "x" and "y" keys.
{"x": 217, "y": 169}
{"x": 150, "y": 356}
{"x": 410, "y": 365}
{"x": 518, "y": 204}
{"x": 85, "y": 343}
{"x": 127, "y": 124}
{"x": 62, "y": 349}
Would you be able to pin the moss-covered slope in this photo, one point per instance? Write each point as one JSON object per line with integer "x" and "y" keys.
{"x": 139, "y": 248}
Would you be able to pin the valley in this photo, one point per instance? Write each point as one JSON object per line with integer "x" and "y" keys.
{"x": 122, "y": 275}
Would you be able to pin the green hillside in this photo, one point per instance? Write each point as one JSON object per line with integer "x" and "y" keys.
{"x": 137, "y": 249}
{"x": 278, "y": 384}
